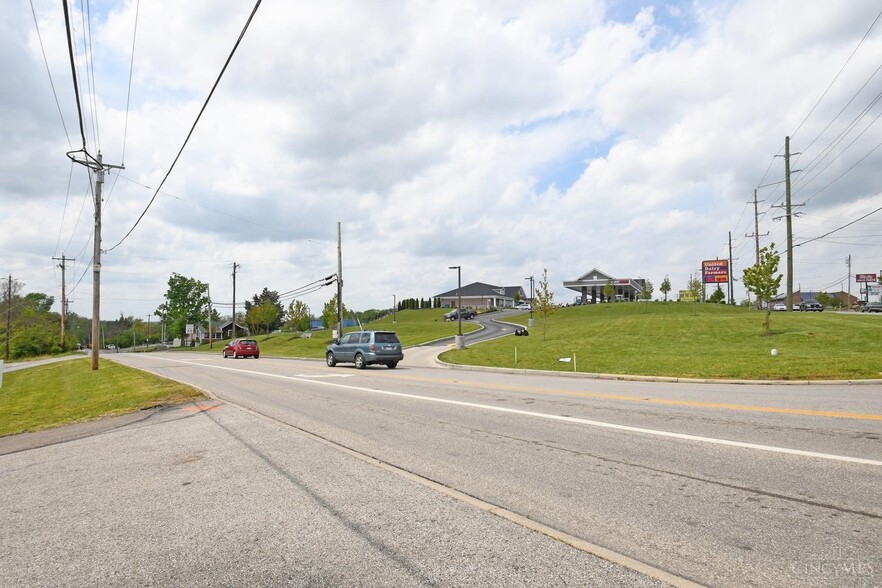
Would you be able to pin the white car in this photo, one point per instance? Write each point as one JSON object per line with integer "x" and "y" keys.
{"x": 779, "y": 306}
{"x": 522, "y": 306}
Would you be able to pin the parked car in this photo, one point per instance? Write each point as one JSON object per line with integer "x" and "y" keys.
{"x": 241, "y": 348}
{"x": 811, "y": 304}
{"x": 466, "y": 315}
{"x": 522, "y": 306}
{"x": 872, "y": 307}
{"x": 779, "y": 306}
{"x": 364, "y": 348}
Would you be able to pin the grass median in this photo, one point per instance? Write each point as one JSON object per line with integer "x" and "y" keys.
{"x": 690, "y": 341}
{"x": 57, "y": 394}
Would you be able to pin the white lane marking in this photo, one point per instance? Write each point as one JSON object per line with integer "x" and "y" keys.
{"x": 320, "y": 376}
{"x": 555, "y": 417}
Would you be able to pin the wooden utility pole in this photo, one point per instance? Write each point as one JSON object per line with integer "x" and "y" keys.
{"x": 96, "y": 268}
{"x": 339, "y": 280}
{"x": 210, "y": 332}
{"x": 235, "y": 267}
{"x": 62, "y": 265}
{"x": 8, "y": 315}
{"x": 756, "y": 235}
{"x": 731, "y": 285}
{"x": 789, "y": 221}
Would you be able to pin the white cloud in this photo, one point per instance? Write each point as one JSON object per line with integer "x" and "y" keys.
{"x": 505, "y": 138}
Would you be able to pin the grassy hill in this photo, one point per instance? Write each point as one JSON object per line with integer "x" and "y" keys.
{"x": 691, "y": 340}
{"x": 413, "y": 327}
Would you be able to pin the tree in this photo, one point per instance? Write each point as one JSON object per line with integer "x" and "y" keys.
{"x": 665, "y": 287}
{"x": 718, "y": 295}
{"x": 693, "y": 286}
{"x": 543, "y": 303}
{"x": 186, "y": 302}
{"x": 297, "y": 316}
{"x": 646, "y": 291}
{"x": 762, "y": 281}
{"x": 609, "y": 290}
{"x": 329, "y": 313}
{"x": 267, "y": 296}
{"x": 266, "y": 314}
{"x": 826, "y": 299}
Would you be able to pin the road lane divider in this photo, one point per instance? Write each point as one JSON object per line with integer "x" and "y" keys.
{"x": 552, "y": 417}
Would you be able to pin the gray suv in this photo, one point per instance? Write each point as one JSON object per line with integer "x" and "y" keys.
{"x": 364, "y": 348}
{"x": 466, "y": 315}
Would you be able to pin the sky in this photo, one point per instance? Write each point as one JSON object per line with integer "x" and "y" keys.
{"x": 505, "y": 137}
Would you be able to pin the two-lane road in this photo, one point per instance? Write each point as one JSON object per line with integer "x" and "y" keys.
{"x": 720, "y": 484}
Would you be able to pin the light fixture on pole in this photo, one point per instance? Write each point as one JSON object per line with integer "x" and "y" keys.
{"x": 394, "y": 307}
{"x": 458, "y": 268}
{"x": 531, "y": 322}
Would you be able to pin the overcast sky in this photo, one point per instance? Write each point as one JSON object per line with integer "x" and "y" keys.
{"x": 505, "y": 137}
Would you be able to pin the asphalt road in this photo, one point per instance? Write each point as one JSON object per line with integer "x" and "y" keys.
{"x": 421, "y": 476}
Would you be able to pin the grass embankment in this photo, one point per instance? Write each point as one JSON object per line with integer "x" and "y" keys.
{"x": 412, "y": 326}
{"x": 48, "y": 396}
{"x": 692, "y": 341}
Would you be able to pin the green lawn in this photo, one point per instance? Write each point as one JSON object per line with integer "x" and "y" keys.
{"x": 413, "y": 327}
{"x": 691, "y": 340}
{"x": 69, "y": 391}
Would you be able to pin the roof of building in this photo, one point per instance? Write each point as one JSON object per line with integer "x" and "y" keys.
{"x": 480, "y": 289}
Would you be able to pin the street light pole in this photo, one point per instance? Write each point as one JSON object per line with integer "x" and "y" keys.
{"x": 394, "y": 308}
{"x": 458, "y": 268}
{"x": 530, "y": 321}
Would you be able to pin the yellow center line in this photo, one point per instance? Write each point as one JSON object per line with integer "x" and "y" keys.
{"x": 644, "y": 399}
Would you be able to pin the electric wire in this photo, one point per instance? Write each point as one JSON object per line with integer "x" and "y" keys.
{"x": 86, "y": 16}
{"x": 49, "y": 73}
{"x": 129, "y": 92}
{"x": 73, "y": 69}
{"x": 836, "y": 77}
{"x": 193, "y": 128}
{"x": 827, "y": 234}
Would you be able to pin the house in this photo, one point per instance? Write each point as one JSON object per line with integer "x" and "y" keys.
{"x": 225, "y": 330}
{"x": 481, "y": 295}
{"x": 592, "y": 284}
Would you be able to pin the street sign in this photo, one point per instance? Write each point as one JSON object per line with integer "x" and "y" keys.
{"x": 715, "y": 271}
{"x": 863, "y": 278}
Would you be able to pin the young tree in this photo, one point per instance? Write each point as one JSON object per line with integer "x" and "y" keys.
{"x": 718, "y": 295}
{"x": 186, "y": 302}
{"x": 543, "y": 302}
{"x": 762, "y": 281}
{"x": 665, "y": 287}
{"x": 267, "y": 296}
{"x": 694, "y": 288}
{"x": 297, "y": 316}
{"x": 609, "y": 290}
{"x": 329, "y": 313}
{"x": 263, "y": 314}
{"x": 647, "y": 290}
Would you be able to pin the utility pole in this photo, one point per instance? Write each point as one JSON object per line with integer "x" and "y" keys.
{"x": 731, "y": 285}
{"x": 210, "y": 332}
{"x": 788, "y": 214}
{"x": 99, "y": 167}
{"x": 62, "y": 265}
{"x": 339, "y": 280}
{"x": 235, "y": 266}
{"x": 8, "y": 315}
{"x": 848, "y": 300}
{"x": 789, "y": 226}
{"x": 756, "y": 235}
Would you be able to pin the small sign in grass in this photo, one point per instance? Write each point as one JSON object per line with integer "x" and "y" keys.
{"x": 67, "y": 392}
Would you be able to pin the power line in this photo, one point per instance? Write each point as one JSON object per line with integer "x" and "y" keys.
{"x": 836, "y": 77}
{"x": 49, "y": 73}
{"x": 73, "y": 69}
{"x": 129, "y": 93}
{"x": 840, "y": 228}
{"x": 193, "y": 128}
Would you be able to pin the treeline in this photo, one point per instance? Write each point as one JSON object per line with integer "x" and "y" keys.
{"x": 418, "y": 303}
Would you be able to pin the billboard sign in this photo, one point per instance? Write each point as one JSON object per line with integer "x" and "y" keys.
{"x": 715, "y": 271}
{"x": 686, "y": 296}
{"x": 863, "y": 278}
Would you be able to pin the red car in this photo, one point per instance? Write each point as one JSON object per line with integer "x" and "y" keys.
{"x": 242, "y": 348}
